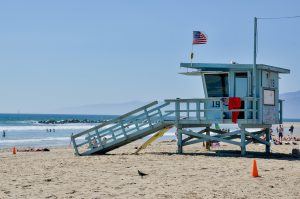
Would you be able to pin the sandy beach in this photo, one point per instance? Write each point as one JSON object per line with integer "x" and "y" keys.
{"x": 197, "y": 174}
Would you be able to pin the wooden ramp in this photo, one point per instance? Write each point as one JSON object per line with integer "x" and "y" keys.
{"x": 122, "y": 130}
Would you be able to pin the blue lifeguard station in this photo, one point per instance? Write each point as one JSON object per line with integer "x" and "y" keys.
{"x": 259, "y": 104}
{"x": 256, "y": 105}
{"x": 242, "y": 94}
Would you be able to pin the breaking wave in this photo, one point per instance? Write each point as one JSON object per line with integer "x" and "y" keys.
{"x": 45, "y": 127}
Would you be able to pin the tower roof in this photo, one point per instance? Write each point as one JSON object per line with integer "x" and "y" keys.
{"x": 213, "y": 67}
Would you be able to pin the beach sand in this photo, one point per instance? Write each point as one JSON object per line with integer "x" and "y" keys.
{"x": 61, "y": 174}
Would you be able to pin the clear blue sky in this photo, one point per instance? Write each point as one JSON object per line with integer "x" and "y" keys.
{"x": 56, "y": 54}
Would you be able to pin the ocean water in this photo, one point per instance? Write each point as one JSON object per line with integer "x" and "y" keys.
{"x": 24, "y": 130}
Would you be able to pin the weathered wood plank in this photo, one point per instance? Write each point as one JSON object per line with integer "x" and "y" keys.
{"x": 191, "y": 133}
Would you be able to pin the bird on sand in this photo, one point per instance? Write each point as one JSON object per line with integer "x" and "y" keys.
{"x": 141, "y": 173}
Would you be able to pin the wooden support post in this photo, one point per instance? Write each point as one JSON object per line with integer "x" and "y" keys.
{"x": 98, "y": 137}
{"x": 177, "y": 111}
{"x": 207, "y": 144}
{"x": 74, "y": 145}
{"x": 280, "y": 111}
{"x": 243, "y": 143}
{"x": 188, "y": 110}
{"x": 255, "y": 111}
{"x": 148, "y": 117}
{"x": 160, "y": 115}
{"x": 179, "y": 140}
{"x": 113, "y": 134}
{"x": 198, "y": 106}
{"x": 123, "y": 128}
{"x": 246, "y": 110}
{"x": 268, "y": 147}
{"x": 137, "y": 127}
{"x": 90, "y": 141}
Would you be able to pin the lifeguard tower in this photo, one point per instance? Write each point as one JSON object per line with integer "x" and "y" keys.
{"x": 242, "y": 94}
{"x": 232, "y": 96}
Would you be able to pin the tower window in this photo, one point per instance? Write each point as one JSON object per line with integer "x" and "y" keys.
{"x": 217, "y": 85}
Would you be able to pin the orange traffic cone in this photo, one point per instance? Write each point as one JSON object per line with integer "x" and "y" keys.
{"x": 14, "y": 150}
{"x": 254, "y": 169}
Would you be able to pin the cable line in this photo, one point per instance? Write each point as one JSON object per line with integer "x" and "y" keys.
{"x": 289, "y": 17}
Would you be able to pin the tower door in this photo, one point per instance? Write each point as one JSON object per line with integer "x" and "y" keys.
{"x": 241, "y": 89}
{"x": 241, "y": 85}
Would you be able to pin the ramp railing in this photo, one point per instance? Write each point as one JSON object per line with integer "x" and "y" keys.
{"x": 120, "y": 129}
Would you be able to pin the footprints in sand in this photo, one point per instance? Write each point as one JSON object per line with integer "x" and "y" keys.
{"x": 51, "y": 196}
{"x": 5, "y": 191}
{"x": 26, "y": 186}
{"x": 71, "y": 192}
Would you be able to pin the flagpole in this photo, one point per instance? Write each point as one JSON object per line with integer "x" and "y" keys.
{"x": 254, "y": 59}
{"x": 192, "y": 55}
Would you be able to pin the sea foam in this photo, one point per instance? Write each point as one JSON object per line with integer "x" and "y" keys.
{"x": 45, "y": 127}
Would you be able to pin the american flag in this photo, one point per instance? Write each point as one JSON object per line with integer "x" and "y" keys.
{"x": 199, "y": 37}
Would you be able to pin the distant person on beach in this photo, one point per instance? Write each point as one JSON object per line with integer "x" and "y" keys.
{"x": 3, "y": 133}
{"x": 271, "y": 133}
{"x": 280, "y": 135}
{"x": 291, "y": 130}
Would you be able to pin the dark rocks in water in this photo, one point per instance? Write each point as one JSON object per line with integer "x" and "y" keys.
{"x": 48, "y": 122}
{"x": 68, "y": 121}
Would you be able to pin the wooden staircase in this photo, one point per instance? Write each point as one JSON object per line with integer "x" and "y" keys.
{"x": 122, "y": 130}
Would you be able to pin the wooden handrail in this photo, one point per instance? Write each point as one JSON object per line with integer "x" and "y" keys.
{"x": 115, "y": 120}
{"x": 204, "y": 110}
{"x": 207, "y": 99}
